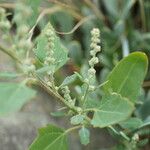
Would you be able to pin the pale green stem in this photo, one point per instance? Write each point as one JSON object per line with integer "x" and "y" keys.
{"x": 85, "y": 94}
{"x": 73, "y": 128}
{"x": 142, "y": 14}
{"x": 10, "y": 53}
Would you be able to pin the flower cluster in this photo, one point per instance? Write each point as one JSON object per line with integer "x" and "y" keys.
{"x": 29, "y": 68}
{"x": 22, "y": 14}
{"x": 49, "y": 33}
{"x": 4, "y": 23}
{"x": 66, "y": 92}
{"x": 95, "y": 48}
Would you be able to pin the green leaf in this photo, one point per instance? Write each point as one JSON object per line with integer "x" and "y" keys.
{"x": 131, "y": 123}
{"x": 13, "y": 96}
{"x": 146, "y": 122}
{"x": 77, "y": 119}
{"x": 112, "y": 7}
{"x": 60, "y": 52}
{"x": 75, "y": 52}
{"x": 126, "y": 8}
{"x": 84, "y": 136}
{"x": 68, "y": 80}
{"x": 112, "y": 109}
{"x": 58, "y": 114}
{"x": 65, "y": 21}
{"x": 34, "y": 5}
{"x": 50, "y": 138}
{"x": 126, "y": 78}
{"x": 144, "y": 110}
{"x": 40, "y": 50}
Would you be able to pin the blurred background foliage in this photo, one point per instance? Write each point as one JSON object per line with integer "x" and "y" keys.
{"x": 124, "y": 26}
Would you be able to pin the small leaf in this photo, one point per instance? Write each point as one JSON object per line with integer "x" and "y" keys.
{"x": 146, "y": 122}
{"x": 127, "y": 77}
{"x": 131, "y": 123}
{"x": 13, "y": 96}
{"x": 77, "y": 119}
{"x": 84, "y": 136}
{"x": 50, "y": 138}
{"x": 144, "y": 110}
{"x": 112, "y": 109}
{"x": 58, "y": 114}
{"x": 68, "y": 80}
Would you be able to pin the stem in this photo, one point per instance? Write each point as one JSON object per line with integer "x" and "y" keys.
{"x": 82, "y": 21}
{"x": 54, "y": 93}
{"x": 9, "y": 53}
{"x": 101, "y": 85}
{"x": 97, "y": 11}
{"x": 125, "y": 45}
{"x": 73, "y": 128}
{"x": 119, "y": 133}
{"x": 146, "y": 84}
{"x": 43, "y": 83}
{"x": 90, "y": 109}
{"x": 142, "y": 15}
{"x": 85, "y": 94}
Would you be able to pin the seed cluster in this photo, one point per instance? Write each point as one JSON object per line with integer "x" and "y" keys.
{"x": 4, "y": 23}
{"x": 49, "y": 33}
{"x": 95, "y": 48}
{"x": 22, "y": 43}
{"x": 66, "y": 92}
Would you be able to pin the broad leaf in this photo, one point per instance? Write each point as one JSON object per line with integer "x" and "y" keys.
{"x": 60, "y": 52}
{"x": 131, "y": 123}
{"x": 127, "y": 77}
{"x": 13, "y": 96}
{"x": 34, "y": 5}
{"x": 84, "y": 134}
{"x": 112, "y": 109}
{"x": 50, "y": 138}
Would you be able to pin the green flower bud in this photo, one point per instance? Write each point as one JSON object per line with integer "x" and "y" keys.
{"x": 95, "y": 32}
{"x": 93, "y": 61}
{"x": 22, "y": 30}
{"x": 79, "y": 109}
{"x": 91, "y": 72}
{"x": 92, "y": 53}
{"x": 91, "y": 88}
